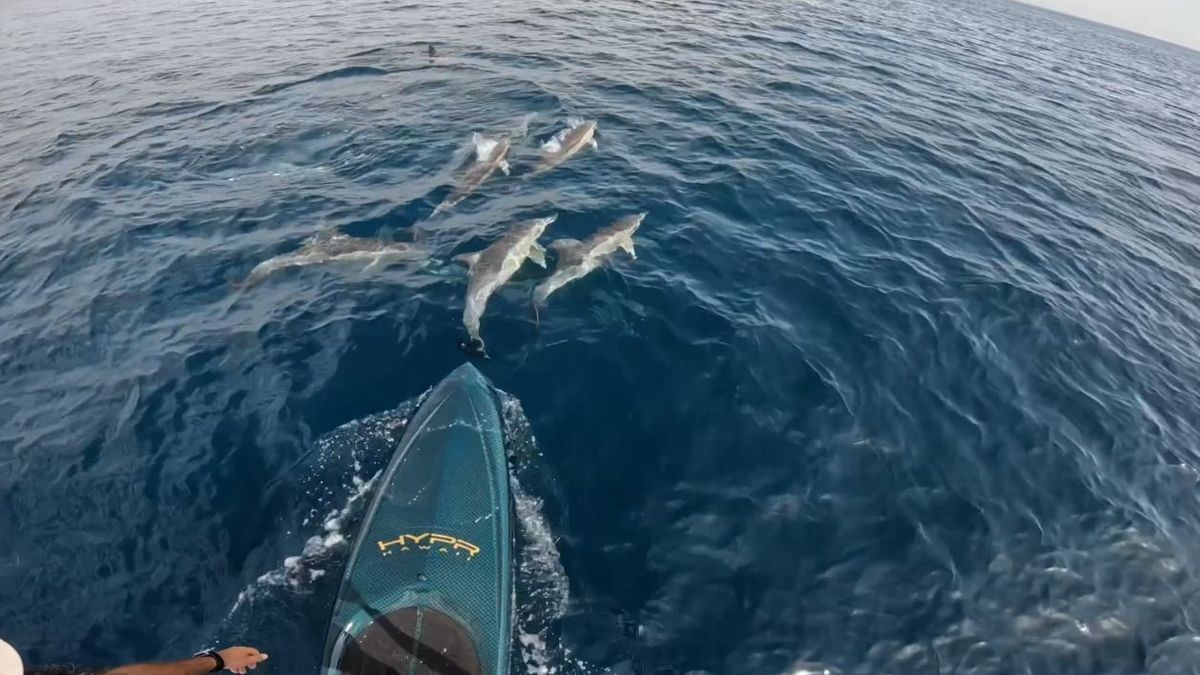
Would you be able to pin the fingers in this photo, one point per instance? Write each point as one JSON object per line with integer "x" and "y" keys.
{"x": 251, "y": 658}
{"x": 241, "y": 660}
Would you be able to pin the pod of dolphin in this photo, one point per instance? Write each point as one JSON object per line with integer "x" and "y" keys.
{"x": 495, "y": 265}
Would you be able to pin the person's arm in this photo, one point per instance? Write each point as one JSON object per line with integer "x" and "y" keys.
{"x": 237, "y": 659}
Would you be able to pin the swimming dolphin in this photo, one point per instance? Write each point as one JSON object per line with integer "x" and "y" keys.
{"x": 492, "y": 267}
{"x": 577, "y": 258}
{"x": 490, "y": 154}
{"x": 566, "y": 145}
{"x": 335, "y": 247}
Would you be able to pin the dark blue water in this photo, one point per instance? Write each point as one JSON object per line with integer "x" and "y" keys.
{"x": 903, "y": 380}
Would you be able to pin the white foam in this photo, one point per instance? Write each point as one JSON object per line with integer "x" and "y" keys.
{"x": 535, "y": 655}
{"x": 542, "y": 578}
{"x": 298, "y": 571}
{"x": 554, "y": 144}
{"x": 483, "y": 146}
{"x": 344, "y": 467}
{"x": 543, "y": 589}
{"x": 540, "y": 563}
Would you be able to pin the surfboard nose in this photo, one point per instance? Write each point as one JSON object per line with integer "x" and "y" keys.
{"x": 465, "y": 376}
{"x": 428, "y": 587}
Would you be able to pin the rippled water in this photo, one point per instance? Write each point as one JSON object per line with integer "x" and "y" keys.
{"x": 904, "y": 378}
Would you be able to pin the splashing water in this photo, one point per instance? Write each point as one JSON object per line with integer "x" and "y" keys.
{"x": 343, "y": 468}
{"x": 484, "y": 145}
{"x": 542, "y": 588}
{"x": 554, "y": 143}
{"x": 299, "y": 571}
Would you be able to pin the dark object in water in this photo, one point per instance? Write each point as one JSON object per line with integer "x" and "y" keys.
{"x": 474, "y": 347}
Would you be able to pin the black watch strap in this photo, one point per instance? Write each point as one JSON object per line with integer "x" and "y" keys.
{"x": 215, "y": 656}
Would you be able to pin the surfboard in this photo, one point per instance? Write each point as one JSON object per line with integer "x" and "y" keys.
{"x": 428, "y": 588}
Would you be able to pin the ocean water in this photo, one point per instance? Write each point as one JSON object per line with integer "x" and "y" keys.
{"x": 903, "y": 379}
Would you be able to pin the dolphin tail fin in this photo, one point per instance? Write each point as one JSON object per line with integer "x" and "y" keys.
{"x": 538, "y": 300}
{"x": 468, "y": 259}
{"x": 474, "y": 347}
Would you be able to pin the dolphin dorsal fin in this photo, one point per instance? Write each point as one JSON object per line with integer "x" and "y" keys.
{"x": 567, "y": 249}
{"x": 468, "y": 259}
{"x": 323, "y": 236}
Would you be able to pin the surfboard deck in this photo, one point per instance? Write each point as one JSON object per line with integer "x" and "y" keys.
{"x": 429, "y": 584}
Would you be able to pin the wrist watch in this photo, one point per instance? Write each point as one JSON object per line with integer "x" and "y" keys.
{"x": 215, "y": 656}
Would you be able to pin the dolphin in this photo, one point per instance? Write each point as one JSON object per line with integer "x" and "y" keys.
{"x": 489, "y": 155}
{"x": 335, "y": 247}
{"x": 566, "y": 145}
{"x": 577, "y": 258}
{"x": 492, "y": 267}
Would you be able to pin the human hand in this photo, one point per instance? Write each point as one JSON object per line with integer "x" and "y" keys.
{"x": 241, "y": 659}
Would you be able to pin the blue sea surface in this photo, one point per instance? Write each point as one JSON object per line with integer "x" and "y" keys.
{"x": 904, "y": 379}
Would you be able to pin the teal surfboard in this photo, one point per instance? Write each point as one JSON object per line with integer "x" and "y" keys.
{"x": 429, "y": 584}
